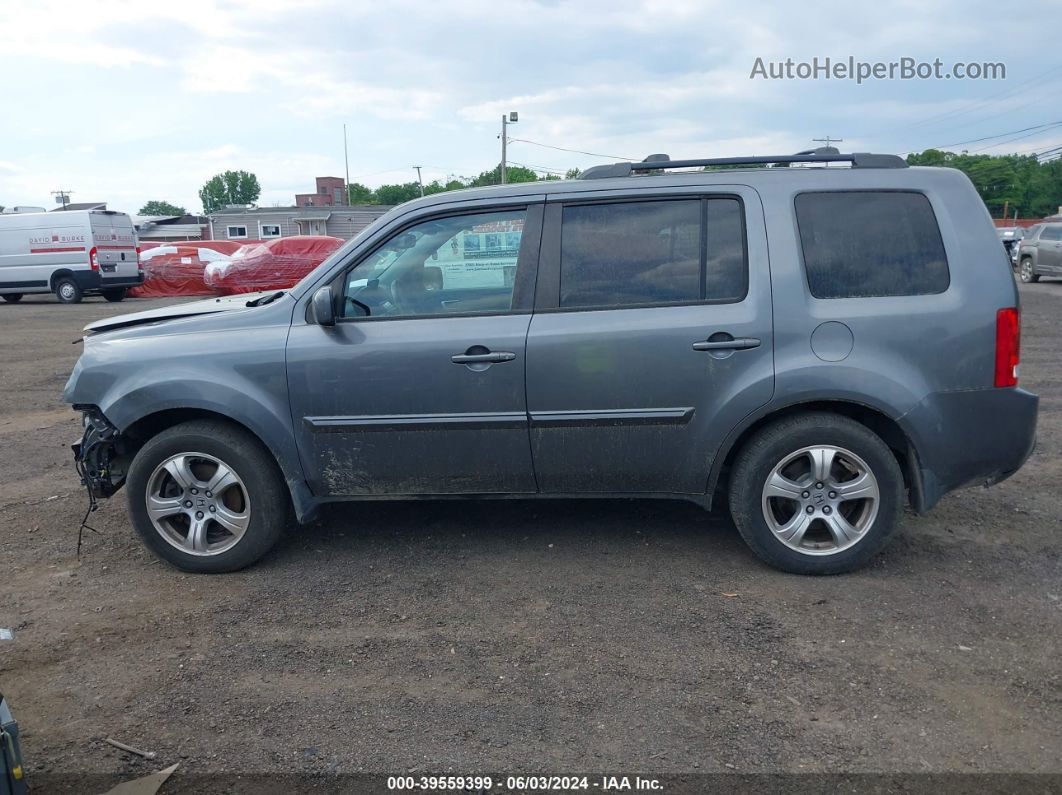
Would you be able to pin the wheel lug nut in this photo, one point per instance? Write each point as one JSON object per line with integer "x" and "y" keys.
{"x": 212, "y": 509}
{"x": 817, "y": 485}
{"x": 196, "y": 491}
{"x": 827, "y": 510}
{"x": 198, "y": 514}
{"x": 809, "y": 509}
{"x": 806, "y": 494}
{"x": 833, "y": 495}
{"x": 187, "y": 503}
{"x": 208, "y": 494}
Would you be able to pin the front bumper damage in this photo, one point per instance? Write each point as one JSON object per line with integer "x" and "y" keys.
{"x": 98, "y": 457}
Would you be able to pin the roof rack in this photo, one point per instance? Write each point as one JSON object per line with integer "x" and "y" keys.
{"x": 824, "y": 154}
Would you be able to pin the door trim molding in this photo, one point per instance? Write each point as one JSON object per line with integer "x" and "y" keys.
{"x": 612, "y": 417}
{"x": 418, "y": 422}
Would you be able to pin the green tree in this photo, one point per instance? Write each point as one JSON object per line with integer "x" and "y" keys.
{"x": 360, "y": 194}
{"x": 156, "y": 207}
{"x": 1016, "y": 182}
{"x": 572, "y": 173}
{"x": 229, "y": 187}
{"x": 397, "y": 194}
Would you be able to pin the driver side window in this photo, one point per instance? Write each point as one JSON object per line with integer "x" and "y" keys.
{"x": 465, "y": 264}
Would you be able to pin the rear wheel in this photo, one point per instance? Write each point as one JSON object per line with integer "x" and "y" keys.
{"x": 207, "y": 497}
{"x": 12, "y": 298}
{"x": 1026, "y": 272}
{"x": 816, "y": 494}
{"x": 68, "y": 291}
{"x": 115, "y": 295}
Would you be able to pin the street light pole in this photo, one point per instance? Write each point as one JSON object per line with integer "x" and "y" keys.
{"x": 420, "y": 182}
{"x": 507, "y": 118}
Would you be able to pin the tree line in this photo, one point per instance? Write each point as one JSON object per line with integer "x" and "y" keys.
{"x": 1019, "y": 183}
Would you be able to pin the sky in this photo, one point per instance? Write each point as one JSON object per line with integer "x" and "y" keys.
{"x": 129, "y": 101}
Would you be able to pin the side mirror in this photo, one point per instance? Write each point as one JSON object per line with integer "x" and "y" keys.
{"x": 323, "y": 309}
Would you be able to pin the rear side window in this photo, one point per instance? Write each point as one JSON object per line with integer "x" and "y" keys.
{"x": 1051, "y": 233}
{"x": 652, "y": 252}
{"x": 867, "y": 243}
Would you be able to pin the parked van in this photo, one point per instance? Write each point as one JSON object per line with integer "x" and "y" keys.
{"x": 812, "y": 346}
{"x": 70, "y": 253}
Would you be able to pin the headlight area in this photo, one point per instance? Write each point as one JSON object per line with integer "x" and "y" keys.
{"x": 102, "y": 455}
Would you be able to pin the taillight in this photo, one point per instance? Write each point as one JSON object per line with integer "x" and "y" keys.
{"x": 1008, "y": 346}
{"x": 94, "y": 259}
{"x": 138, "y": 255}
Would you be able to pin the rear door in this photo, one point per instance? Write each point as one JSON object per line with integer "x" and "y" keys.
{"x": 115, "y": 242}
{"x": 652, "y": 337}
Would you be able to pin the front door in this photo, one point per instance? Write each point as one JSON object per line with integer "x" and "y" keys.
{"x": 419, "y": 387}
{"x": 652, "y": 338}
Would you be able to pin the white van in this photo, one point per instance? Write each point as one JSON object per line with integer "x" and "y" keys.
{"x": 70, "y": 253}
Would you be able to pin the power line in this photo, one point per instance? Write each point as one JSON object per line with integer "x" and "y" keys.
{"x": 1016, "y": 138}
{"x": 576, "y": 151}
{"x": 999, "y": 135}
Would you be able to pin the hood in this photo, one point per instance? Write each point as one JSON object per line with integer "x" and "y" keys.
{"x": 208, "y": 307}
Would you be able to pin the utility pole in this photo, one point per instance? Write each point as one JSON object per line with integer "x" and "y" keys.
{"x": 828, "y": 140}
{"x": 346, "y": 165}
{"x": 507, "y": 118}
{"x": 62, "y": 197}
{"x": 420, "y": 181}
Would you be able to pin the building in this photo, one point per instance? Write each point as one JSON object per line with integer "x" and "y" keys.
{"x": 329, "y": 194}
{"x": 262, "y": 223}
{"x": 171, "y": 228}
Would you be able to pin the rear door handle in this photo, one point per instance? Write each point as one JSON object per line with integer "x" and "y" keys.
{"x": 737, "y": 344}
{"x": 495, "y": 357}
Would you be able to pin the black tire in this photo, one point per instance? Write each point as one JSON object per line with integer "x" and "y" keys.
{"x": 770, "y": 446}
{"x": 114, "y": 296}
{"x": 248, "y": 458}
{"x": 1026, "y": 272}
{"x": 68, "y": 291}
{"x": 12, "y": 298}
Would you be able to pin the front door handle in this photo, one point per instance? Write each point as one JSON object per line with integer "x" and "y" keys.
{"x": 494, "y": 357}
{"x": 735, "y": 344}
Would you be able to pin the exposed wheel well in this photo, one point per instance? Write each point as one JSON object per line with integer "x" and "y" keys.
{"x": 153, "y": 424}
{"x": 886, "y": 428}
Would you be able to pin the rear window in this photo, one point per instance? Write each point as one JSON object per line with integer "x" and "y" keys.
{"x": 871, "y": 243}
{"x": 652, "y": 252}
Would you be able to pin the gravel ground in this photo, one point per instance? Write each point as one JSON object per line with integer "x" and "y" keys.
{"x": 534, "y": 637}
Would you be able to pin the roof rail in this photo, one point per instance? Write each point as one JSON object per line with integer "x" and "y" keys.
{"x": 824, "y": 154}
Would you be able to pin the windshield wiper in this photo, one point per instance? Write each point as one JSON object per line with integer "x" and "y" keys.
{"x": 262, "y": 300}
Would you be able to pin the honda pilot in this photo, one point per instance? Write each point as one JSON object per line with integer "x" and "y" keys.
{"x": 815, "y": 341}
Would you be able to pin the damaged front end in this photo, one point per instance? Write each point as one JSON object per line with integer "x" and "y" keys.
{"x": 100, "y": 457}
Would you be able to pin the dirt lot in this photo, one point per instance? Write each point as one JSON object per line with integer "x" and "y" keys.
{"x": 526, "y": 637}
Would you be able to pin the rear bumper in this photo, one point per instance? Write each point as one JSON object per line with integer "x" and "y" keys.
{"x": 94, "y": 280}
{"x": 976, "y": 437}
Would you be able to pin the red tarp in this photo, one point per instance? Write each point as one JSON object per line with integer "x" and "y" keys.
{"x": 273, "y": 265}
{"x": 172, "y": 269}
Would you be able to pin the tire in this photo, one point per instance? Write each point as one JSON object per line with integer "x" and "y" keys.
{"x": 114, "y": 296}
{"x": 865, "y": 524}
{"x": 1027, "y": 273}
{"x": 258, "y": 500}
{"x": 68, "y": 291}
{"x": 12, "y": 298}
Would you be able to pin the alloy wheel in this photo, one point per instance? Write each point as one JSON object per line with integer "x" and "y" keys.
{"x": 820, "y": 500}
{"x": 198, "y": 503}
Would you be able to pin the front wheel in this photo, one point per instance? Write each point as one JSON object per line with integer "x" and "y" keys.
{"x": 207, "y": 497}
{"x": 115, "y": 295}
{"x": 816, "y": 494}
{"x": 1026, "y": 272}
{"x": 12, "y": 298}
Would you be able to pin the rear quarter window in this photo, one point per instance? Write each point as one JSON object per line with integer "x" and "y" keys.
{"x": 862, "y": 244}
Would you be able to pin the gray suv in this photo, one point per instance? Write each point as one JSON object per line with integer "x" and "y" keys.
{"x": 815, "y": 346}
{"x": 1040, "y": 253}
